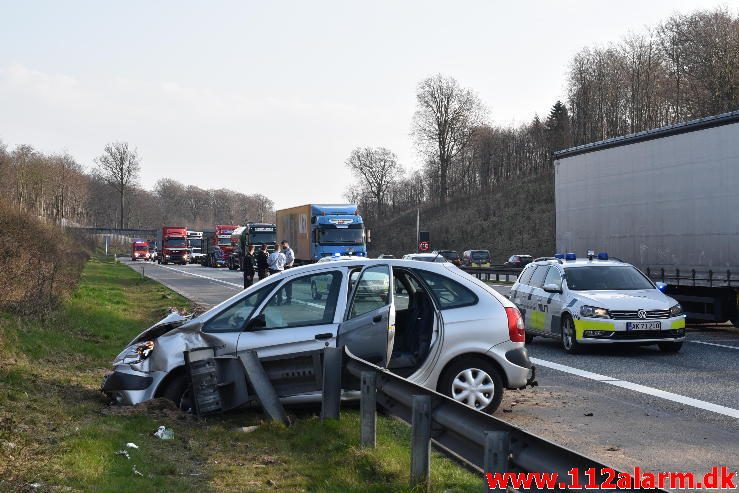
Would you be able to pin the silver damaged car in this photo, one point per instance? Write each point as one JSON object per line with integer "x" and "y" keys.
{"x": 429, "y": 322}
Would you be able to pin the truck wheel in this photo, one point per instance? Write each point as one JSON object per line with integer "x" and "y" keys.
{"x": 670, "y": 347}
{"x": 569, "y": 336}
{"x": 473, "y": 381}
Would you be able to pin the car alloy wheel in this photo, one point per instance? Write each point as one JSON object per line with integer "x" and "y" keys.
{"x": 569, "y": 338}
{"x": 473, "y": 387}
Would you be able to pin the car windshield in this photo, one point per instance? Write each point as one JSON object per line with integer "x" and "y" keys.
{"x": 606, "y": 278}
{"x": 450, "y": 255}
{"x": 480, "y": 255}
{"x": 175, "y": 243}
{"x": 342, "y": 236}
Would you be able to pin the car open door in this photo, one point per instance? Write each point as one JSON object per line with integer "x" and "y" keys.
{"x": 368, "y": 329}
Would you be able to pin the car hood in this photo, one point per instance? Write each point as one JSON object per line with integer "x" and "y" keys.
{"x": 172, "y": 321}
{"x": 647, "y": 299}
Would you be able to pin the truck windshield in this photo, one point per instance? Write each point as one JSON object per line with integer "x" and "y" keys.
{"x": 195, "y": 243}
{"x": 341, "y": 236}
{"x": 606, "y": 278}
{"x": 224, "y": 241}
{"x": 175, "y": 243}
{"x": 141, "y": 248}
{"x": 259, "y": 238}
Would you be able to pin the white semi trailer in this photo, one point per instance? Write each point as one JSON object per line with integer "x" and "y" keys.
{"x": 665, "y": 200}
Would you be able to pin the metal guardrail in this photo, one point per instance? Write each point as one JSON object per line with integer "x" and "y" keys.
{"x": 480, "y": 441}
{"x": 694, "y": 278}
{"x": 495, "y": 273}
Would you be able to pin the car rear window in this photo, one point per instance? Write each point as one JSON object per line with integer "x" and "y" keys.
{"x": 447, "y": 293}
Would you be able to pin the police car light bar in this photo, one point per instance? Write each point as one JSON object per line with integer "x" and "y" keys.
{"x": 602, "y": 256}
{"x": 570, "y": 256}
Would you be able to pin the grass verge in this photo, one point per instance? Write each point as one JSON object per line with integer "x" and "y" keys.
{"x": 58, "y": 434}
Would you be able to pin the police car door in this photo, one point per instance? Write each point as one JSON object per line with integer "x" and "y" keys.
{"x": 368, "y": 329}
{"x": 537, "y": 311}
{"x": 553, "y": 299}
{"x": 520, "y": 294}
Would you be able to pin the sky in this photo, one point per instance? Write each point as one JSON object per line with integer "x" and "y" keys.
{"x": 271, "y": 97}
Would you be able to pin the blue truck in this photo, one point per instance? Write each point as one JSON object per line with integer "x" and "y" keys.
{"x": 315, "y": 231}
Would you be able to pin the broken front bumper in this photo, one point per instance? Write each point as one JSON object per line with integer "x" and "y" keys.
{"x": 129, "y": 387}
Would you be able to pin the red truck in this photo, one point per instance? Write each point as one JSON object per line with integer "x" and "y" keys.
{"x": 173, "y": 246}
{"x": 222, "y": 239}
{"x": 139, "y": 250}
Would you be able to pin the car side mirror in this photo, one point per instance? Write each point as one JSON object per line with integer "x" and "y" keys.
{"x": 256, "y": 323}
{"x": 552, "y": 288}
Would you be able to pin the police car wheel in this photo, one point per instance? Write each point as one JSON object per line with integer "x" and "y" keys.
{"x": 670, "y": 347}
{"x": 474, "y": 381}
{"x": 569, "y": 338}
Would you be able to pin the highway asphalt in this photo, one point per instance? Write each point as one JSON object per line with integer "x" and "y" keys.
{"x": 626, "y": 406}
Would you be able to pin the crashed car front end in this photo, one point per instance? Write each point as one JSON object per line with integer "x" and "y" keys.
{"x": 142, "y": 366}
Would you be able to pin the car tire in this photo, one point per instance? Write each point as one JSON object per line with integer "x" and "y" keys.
{"x": 468, "y": 370}
{"x": 670, "y": 347}
{"x": 569, "y": 336}
{"x": 179, "y": 391}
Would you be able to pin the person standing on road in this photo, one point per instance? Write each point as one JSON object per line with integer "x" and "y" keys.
{"x": 248, "y": 267}
{"x": 289, "y": 262}
{"x": 262, "y": 265}
{"x": 276, "y": 260}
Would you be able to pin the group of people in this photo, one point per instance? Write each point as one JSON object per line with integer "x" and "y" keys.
{"x": 267, "y": 263}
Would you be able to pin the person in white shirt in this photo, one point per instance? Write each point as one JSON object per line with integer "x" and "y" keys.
{"x": 289, "y": 262}
{"x": 276, "y": 260}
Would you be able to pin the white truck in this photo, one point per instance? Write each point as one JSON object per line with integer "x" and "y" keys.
{"x": 665, "y": 200}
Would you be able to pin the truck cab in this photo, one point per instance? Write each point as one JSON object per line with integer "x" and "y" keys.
{"x": 256, "y": 234}
{"x": 174, "y": 246}
{"x": 195, "y": 245}
{"x": 139, "y": 250}
{"x": 222, "y": 240}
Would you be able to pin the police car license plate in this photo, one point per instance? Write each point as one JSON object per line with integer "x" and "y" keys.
{"x": 643, "y": 325}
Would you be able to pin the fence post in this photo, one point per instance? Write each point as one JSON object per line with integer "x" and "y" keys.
{"x": 497, "y": 451}
{"x": 368, "y": 409}
{"x": 421, "y": 442}
{"x": 331, "y": 398}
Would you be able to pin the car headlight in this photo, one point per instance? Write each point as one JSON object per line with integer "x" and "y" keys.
{"x": 676, "y": 310}
{"x": 135, "y": 354}
{"x": 594, "y": 312}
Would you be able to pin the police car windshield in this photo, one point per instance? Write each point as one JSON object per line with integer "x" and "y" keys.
{"x": 606, "y": 278}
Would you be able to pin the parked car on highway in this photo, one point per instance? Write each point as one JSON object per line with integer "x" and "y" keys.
{"x": 476, "y": 258}
{"x": 425, "y": 257}
{"x": 386, "y": 255}
{"x": 596, "y": 301}
{"x": 519, "y": 260}
{"x": 447, "y": 331}
{"x": 153, "y": 252}
{"x": 451, "y": 256}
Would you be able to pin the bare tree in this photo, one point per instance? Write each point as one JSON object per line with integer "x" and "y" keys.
{"x": 119, "y": 167}
{"x": 378, "y": 168}
{"x": 443, "y": 124}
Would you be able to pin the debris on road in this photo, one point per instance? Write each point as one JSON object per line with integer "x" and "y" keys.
{"x": 164, "y": 433}
{"x": 588, "y": 414}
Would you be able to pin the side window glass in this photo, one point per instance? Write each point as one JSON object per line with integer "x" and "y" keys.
{"x": 234, "y": 318}
{"x": 307, "y": 300}
{"x": 525, "y": 276}
{"x": 371, "y": 291}
{"x": 537, "y": 279}
{"x": 448, "y": 293}
{"x": 553, "y": 277}
{"x": 402, "y": 296}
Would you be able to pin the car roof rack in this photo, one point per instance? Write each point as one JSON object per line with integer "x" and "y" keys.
{"x": 548, "y": 258}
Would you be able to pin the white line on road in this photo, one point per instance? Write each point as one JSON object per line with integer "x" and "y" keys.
{"x": 714, "y": 344}
{"x": 680, "y": 399}
{"x": 202, "y": 276}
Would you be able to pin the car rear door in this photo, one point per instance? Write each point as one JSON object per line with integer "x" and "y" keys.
{"x": 368, "y": 329}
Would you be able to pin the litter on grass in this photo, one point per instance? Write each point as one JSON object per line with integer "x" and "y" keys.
{"x": 164, "y": 433}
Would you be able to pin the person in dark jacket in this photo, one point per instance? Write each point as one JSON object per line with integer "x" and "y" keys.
{"x": 248, "y": 267}
{"x": 262, "y": 266}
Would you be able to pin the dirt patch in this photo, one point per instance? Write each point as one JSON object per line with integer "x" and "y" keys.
{"x": 155, "y": 408}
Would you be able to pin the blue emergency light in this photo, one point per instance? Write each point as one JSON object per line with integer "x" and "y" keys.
{"x": 602, "y": 256}
{"x": 570, "y": 256}
{"x": 559, "y": 256}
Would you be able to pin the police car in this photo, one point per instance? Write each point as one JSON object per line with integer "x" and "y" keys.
{"x": 596, "y": 300}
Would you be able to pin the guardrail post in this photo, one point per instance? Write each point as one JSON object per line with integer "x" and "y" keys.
{"x": 421, "y": 442}
{"x": 263, "y": 388}
{"x": 497, "y": 452}
{"x": 331, "y": 399}
{"x": 368, "y": 409}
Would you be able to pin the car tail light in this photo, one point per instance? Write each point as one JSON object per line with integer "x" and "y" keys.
{"x": 516, "y": 329}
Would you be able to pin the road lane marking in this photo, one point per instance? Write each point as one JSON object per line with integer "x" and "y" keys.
{"x": 714, "y": 344}
{"x": 239, "y": 286}
{"x": 680, "y": 399}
